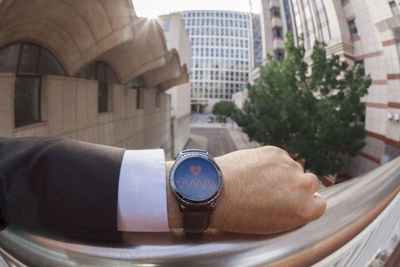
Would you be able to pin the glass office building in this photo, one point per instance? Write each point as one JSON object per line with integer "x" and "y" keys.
{"x": 220, "y": 55}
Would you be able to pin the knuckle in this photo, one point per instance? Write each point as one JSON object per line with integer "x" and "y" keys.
{"x": 276, "y": 149}
{"x": 313, "y": 210}
{"x": 308, "y": 213}
{"x": 295, "y": 164}
{"x": 314, "y": 180}
{"x": 306, "y": 183}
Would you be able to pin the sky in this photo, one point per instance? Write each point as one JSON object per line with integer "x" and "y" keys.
{"x": 154, "y": 8}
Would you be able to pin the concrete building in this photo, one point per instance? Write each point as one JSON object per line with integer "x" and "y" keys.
{"x": 100, "y": 77}
{"x": 220, "y": 55}
{"x": 361, "y": 32}
{"x": 175, "y": 34}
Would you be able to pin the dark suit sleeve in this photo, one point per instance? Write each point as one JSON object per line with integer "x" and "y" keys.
{"x": 60, "y": 184}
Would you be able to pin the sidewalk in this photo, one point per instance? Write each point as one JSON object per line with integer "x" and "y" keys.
{"x": 241, "y": 139}
{"x": 197, "y": 142}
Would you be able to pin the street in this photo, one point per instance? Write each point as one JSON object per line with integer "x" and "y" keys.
{"x": 219, "y": 140}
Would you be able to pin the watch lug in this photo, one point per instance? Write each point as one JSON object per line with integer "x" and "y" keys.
{"x": 182, "y": 208}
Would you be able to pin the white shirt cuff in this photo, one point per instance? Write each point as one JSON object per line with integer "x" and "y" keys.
{"x": 142, "y": 192}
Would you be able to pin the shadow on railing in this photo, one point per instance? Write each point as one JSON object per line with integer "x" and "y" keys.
{"x": 350, "y": 233}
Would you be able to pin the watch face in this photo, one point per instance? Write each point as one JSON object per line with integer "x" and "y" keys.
{"x": 196, "y": 179}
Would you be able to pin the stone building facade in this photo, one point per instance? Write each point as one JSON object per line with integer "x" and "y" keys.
{"x": 177, "y": 38}
{"x": 100, "y": 77}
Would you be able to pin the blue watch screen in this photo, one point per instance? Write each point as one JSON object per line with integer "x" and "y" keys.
{"x": 196, "y": 179}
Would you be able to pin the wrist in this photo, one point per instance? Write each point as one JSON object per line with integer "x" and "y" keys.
{"x": 175, "y": 217}
{"x": 221, "y": 209}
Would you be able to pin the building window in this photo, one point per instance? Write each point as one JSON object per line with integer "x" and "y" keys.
{"x": 277, "y": 32}
{"x": 103, "y": 97}
{"x": 395, "y": 8}
{"x": 353, "y": 28}
{"x": 102, "y": 73}
{"x": 29, "y": 62}
{"x": 398, "y": 47}
{"x": 287, "y": 15}
{"x": 139, "y": 98}
{"x": 275, "y": 12}
{"x": 158, "y": 99}
{"x": 361, "y": 66}
{"x": 279, "y": 54}
{"x": 27, "y": 100}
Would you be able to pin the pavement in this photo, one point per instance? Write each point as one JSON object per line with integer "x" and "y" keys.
{"x": 219, "y": 140}
{"x": 197, "y": 142}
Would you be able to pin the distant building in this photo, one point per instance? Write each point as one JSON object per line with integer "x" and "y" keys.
{"x": 176, "y": 37}
{"x": 220, "y": 55}
{"x": 100, "y": 77}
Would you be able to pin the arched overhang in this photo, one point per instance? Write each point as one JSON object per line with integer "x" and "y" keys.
{"x": 183, "y": 78}
{"x": 172, "y": 69}
{"x": 145, "y": 52}
{"x": 76, "y": 32}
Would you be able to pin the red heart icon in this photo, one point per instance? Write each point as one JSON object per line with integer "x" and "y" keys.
{"x": 195, "y": 169}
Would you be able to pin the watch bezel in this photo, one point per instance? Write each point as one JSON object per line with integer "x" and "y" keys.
{"x": 210, "y": 201}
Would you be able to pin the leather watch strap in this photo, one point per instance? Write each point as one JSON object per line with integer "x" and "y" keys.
{"x": 195, "y": 222}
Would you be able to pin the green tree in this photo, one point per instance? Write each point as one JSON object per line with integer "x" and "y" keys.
{"x": 309, "y": 110}
{"x": 224, "y": 108}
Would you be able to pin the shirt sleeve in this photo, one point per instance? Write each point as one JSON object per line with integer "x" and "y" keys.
{"x": 142, "y": 192}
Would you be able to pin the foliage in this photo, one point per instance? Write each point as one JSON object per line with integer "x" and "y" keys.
{"x": 309, "y": 110}
{"x": 224, "y": 108}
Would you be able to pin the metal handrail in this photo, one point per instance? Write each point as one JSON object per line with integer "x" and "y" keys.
{"x": 352, "y": 206}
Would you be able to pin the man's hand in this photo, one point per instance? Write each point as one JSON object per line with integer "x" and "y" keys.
{"x": 264, "y": 191}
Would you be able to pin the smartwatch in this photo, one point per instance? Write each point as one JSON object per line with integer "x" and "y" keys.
{"x": 196, "y": 181}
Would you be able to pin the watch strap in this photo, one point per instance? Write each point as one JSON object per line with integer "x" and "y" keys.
{"x": 195, "y": 222}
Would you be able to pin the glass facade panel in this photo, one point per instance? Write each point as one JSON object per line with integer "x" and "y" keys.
{"x": 29, "y": 62}
{"x": 49, "y": 65}
{"x": 9, "y": 58}
{"x": 29, "y": 59}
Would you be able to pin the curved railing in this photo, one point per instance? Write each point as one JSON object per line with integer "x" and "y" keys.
{"x": 352, "y": 229}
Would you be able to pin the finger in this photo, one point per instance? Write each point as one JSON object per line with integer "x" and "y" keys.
{"x": 319, "y": 204}
{"x": 313, "y": 180}
{"x": 276, "y": 150}
{"x": 293, "y": 163}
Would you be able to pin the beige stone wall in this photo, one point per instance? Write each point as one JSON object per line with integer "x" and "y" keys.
{"x": 6, "y": 104}
{"x": 181, "y": 133}
{"x": 180, "y": 95}
{"x": 69, "y": 109}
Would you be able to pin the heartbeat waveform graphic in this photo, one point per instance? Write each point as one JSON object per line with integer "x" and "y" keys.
{"x": 203, "y": 184}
